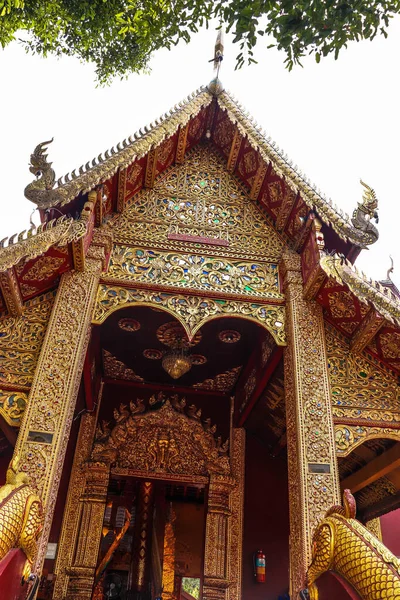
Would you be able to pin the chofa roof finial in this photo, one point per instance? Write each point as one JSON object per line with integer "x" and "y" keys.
{"x": 388, "y": 278}
{"x": 215, "y": 86}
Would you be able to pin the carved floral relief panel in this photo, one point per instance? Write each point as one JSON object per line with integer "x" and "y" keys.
{"x": 361, "y": 388}
{"x": 199, "y": 199}
{"x": 195, "y": 271}
{"x": 191, "y": 311}
{"x": 21, "y": 339}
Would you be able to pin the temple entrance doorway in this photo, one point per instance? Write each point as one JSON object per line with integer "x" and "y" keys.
{"x": 152, "y": 542}
{"x": 171, "y": 432}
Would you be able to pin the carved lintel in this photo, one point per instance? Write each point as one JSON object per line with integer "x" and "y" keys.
{"x": 366, "y": 330}
{"x": 234, "y": 151}
{"x": 258, "y": 180}
{"x": 286, "y": 208}
{"x": 11, "y": 292}
{"x": 151, "y": 168}
{"x": 122, "y": 176}
{"x": 181, "y": 145}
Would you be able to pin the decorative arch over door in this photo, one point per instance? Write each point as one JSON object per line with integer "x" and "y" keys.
{"x": 169, "y": 441}
{"x": 191, "y": 311}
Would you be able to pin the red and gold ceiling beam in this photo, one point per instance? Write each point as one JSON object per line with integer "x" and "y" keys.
{"x": 11, "y": 292}
{"x": 258, "y": 181}
{"x": 289, "y": 200}
{"x": 234, "y": 151}
{"x": 151, "y": 167}
{"x": 181, "y": 144}
{"x": 262, "y": 383}
{"x": 366, "y": 331}
{"x": 121, "y": 191}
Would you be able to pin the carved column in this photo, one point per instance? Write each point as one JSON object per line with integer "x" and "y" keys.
{"x": 312, "y": 463}
{"x": 168, "y": 569}
{"x": 141, "y": 552}
{"x": 236, "y": 501}
{"x": 93, "y": 504}
{"x": 216, "y": 580}
{"x": 52, "y": 398}
{"x": 73, "y": 507}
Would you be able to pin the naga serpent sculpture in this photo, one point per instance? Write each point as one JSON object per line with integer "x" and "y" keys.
{"x": 365, "y": 211}
{"x": 21, "y": 515}
{"x": 41, "y": 191}
{"x": 343, "y": 545}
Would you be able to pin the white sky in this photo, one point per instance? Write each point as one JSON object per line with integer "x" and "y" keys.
{"x": 338, "y": 121}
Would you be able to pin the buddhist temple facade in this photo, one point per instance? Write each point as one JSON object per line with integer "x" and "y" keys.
{"x": 198, "y": 389}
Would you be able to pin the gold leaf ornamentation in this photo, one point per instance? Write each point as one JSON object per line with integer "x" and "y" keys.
{"x": 361, "y": 388}
{"x": 193, "y": 271}
{"x": 199, "y": 199}
{"x": 59, "y": 232}
{"x": 223, "y": 382}
{"x": 366, "y": 290}
{"x": 21, "y": 339}
{"x": 348, "y": 437}
{"x": 116, "y": 369}
{"x": 104, "y": 168}
{"x": 163, "y": 441}
{"x": 342, "y": 544}
{"x": 340, "y": 222}
{"x": 12, "y": 406}
{"x": 191, "y": 311}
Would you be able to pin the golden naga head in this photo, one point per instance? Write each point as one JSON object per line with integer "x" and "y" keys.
{"x": 369, "y": 201}
{"x": 39, "y": 162}
{"x": 14, "y": 475}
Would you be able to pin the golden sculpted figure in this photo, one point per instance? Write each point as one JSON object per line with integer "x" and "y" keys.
{"x": 343, "y": 545}
{"x": 365, "y": 211}
{"x": 21, "y": 515}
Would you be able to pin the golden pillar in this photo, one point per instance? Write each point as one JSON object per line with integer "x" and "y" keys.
{"x": 236, "y": 500}
{"x": 73, "y": 507}
{"x": 312, "y": 463}
{"x": 216, "y": 580}
{"x": 168, "y": 569}
{"x": 46, "y": 424}
{"x": 92, "y": 506}
{"x": 139, "y": 579}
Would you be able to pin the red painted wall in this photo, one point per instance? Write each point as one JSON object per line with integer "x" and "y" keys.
{"x": 332, "y": 587}
{"x": 390, "y": 525}
{"x": 266, "y": 522}
{"x": 5, "y": 460}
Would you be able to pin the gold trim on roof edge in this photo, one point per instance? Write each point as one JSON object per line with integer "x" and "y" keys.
{"x": 59, "y": 232}
{"x": 269, "y": 151}
{"x": 365, "y": 289}
{"x": 105, "y": 166}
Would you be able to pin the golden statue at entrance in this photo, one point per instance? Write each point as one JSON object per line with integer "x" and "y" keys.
{"x": 343, "y": 545}
{"x": 21, "y": 515}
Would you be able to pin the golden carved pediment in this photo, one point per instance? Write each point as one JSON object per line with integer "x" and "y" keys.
{"x": 199, "y": 207}
{"x": 164, "y": 440}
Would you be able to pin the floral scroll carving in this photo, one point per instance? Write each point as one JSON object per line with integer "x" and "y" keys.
{"x": 166, "y": 441}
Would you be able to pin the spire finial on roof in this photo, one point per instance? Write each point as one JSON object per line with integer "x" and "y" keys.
{"x": 390, "y": 270}
{"x": 215, "y": 86}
